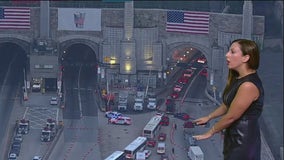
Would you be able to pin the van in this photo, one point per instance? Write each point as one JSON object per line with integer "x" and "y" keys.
{"x": 195, "y": 153}
{"x": 161, "y": 148}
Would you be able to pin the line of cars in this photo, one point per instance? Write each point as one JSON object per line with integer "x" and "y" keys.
{"x": 160, "y": 143}
{"x": 22, "y": 128}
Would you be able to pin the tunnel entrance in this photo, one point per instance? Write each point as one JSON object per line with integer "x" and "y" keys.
{"x": 13, "y": 61}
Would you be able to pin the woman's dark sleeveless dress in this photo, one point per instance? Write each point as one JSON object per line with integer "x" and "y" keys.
{"x": 242, "y": 138}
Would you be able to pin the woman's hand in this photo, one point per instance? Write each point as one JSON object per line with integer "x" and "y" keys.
{"x": 203, "y": 136}
{"x": 202, "y": 120}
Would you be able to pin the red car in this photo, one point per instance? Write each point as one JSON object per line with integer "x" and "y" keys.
{"x": 183, "y": 80}
{"x": 188, "y": 73}
{"x": 175, "y": 95}
{"x": 169, "y": 101}
{"x": 165, "y": 121}
{"x": 204, "y": 72}
{"x": 178, "y": 87}
{"x": 201, "y": 60}
{"x": 162, "y": 137}
{"x": 151, "y": 143}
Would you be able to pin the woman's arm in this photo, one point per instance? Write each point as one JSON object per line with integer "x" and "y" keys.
{"x": 221, "y": 110}
{"x": 247, "y": 93}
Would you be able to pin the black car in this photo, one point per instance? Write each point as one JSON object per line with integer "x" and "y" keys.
{"x": 188, "y": 124}
{"x": 164, "y": 157}
{"x": 182, "y": 116}
{"x": 15, "y": 151}
{"x": 16, "y": 147}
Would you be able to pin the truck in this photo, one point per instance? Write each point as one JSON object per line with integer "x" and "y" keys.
{"x": 36, "y": 86}
{"x": 140, "y": 155}
{"x": 23, "y": 126}
{"x": 152, "y": 103}
{"x": 195, "y": 153}
{"x": 49, "y": 131}
{"x": 138, "y": 102}
{"x": 122, "y": 101}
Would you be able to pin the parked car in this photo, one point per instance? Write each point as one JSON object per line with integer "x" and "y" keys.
{"x": 162, "y": 136}
{"x": 53, "y": 101}
{"x": 182, "y": 116}
{"x": 151, "y": 142}
{"x": 121, "y": 120}
{"x": 112, "y": 114}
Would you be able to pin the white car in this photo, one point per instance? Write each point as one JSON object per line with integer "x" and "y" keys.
{"x": 37, "y": 158}
{"x": 112, "y": 114}
{"x": 53, "y": 101}
{"x": 12, "y": 156}
{"x": 120, "y": 120}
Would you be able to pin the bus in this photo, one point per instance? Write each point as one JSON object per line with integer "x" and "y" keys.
{"x": 136, "y": 145}
{"x": 116, "y": 155}
{"x": 151, "y": 127}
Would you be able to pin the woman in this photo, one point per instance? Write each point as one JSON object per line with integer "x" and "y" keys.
{"x": 242, "y": 104}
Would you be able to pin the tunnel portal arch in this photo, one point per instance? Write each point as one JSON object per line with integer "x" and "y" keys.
{"x": 80, "y": 51}
{"x": 64, "y": 46}
{"x": 188, "y": 47}
{"x": 24, "y": 44}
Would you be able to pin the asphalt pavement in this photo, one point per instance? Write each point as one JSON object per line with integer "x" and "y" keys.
{"x": 270, "y": 71}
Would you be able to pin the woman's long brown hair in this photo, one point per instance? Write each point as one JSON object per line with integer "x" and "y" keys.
{"x": 247, "y": 47}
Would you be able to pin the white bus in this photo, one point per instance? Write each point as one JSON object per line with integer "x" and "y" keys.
{"x": 151, "y": 127}
{"x": 137, "y": 145}
{"x": 116, "y": 155}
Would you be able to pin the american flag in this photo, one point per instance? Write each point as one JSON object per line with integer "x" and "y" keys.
{"x": 188, "y": 22}
{"x": 15, "y": 18}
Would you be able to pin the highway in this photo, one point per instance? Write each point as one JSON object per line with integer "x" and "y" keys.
{"x": 86, "y": 133}
{"x": 11, "y": 80}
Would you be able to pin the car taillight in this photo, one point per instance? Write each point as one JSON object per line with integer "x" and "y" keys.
{"x": 128, "y": 155}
